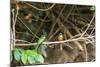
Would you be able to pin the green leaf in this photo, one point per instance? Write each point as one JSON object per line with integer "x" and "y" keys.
{"x": 31, "y": 60}
{"x": 31, "y": 52}
{"x": 17, "y": 54}
{"x": 24, "y": 57}
{"x": 92, "y": 8}
{"x": 39, "y": 58}
{"x": 31, "y": 55}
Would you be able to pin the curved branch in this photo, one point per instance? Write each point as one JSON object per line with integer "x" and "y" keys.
{"x": 42, "y": 9}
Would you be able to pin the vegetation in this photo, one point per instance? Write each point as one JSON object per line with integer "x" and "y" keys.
{"x": 49, "y": 33}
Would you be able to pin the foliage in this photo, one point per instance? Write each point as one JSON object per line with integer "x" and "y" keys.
{"x": 75, "y": 22}
{"x": 92, "y": 8}
{"x": 27, "y": 56}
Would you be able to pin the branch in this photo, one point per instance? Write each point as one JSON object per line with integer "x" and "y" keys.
{"x": 27, "y": 27}
{"x": 88, "y": 26}
{"x": 42, "y": 9}
{"x": 58, "y": 42}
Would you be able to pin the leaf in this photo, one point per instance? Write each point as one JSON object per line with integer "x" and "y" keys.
{"x": 24, "y": 57}
{"x": 39, "y": 58}
{"x": 17, "y": 54}
{"x": 31, "y": 52}
{"x": 92, "y": 8}
{"x": 31, "y": 60}
{"x": 31, "y": 56}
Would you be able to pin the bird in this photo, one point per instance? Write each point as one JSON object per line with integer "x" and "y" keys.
{"x": 60, "y": 38}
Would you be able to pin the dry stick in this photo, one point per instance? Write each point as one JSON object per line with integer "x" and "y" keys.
{"x": 41, "y": 24}
{"x": 85, "y": 48}
{"x": 92, "y": 42}
{"x": 67, "y": 18}
{"x": 79, "y": 21}
{"x": 58, "y": 42}
{"x": 23, "y": 33}
{"x": 88, "y": 26}
{"x": 84, "y": 26}
{"x": 61, "y": 27}
{"x": 65, "y": 37}
{"x": 76, "y": 42}
{"x": 18, "y": 40}
{"x": 53, "y": 25}
{"x": 92, "y": 31}
{"x": 56, "y": 20}
{"x": 27, "y": 27}
{"x": 17, "y": 11}
{"x": 89, "y": 36}
{"x": 84, "y": 34}
{"x": 14, "y": 22}
{"x": 42, "y": 9}
{"x": 69, "y": 34}
{"x": 85, "y": 51}
{"x": 13, "y": 29}
{"x": 89, "y": 41}
{"x": 75, "y": 36}
{"x": 39, "y": 27}
{"x": 67, "y": 31}
{"x": 77, "y": 30}
{"x": 53, "y": 34}
{"x": 75, "y": 27}
{"x": 44, "y": 20}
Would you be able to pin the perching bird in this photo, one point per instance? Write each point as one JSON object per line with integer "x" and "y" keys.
{"x": 60, "y": 38}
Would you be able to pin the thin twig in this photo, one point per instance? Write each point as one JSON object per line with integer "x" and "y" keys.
{"x": 42, "y": 9}
{"x": 85, "y": 51}
{"x": 92, "y": 31}
{"x": 18, "y": 40}
{"x": 88, "y": 26}
{"x": 23, "y": 33}
{"x": 53, "y": 34}
{"x": 17, "y": 11}
{"x": 55, "y": 21}
{"x": 27, "y": 27}
{"x": 13, "y": 27}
